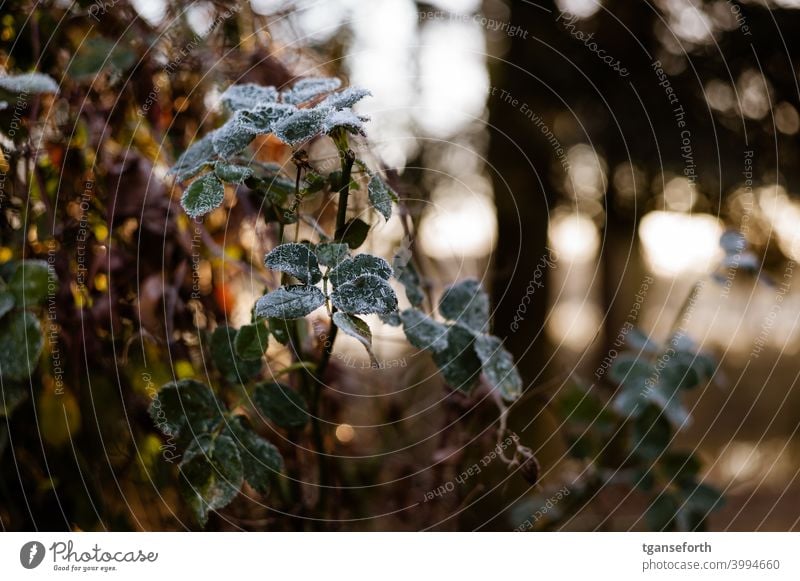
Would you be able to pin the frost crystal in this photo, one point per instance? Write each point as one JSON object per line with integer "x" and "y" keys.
{"x": 248, "y": 96}
{"x": 203, "y": 195}
{"x": 364, "y": 295}
{"x": 306, "y": 89}
{"x": 291, "y": 302}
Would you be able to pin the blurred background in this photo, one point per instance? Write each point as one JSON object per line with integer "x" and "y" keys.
{"x": 585, "y": 154}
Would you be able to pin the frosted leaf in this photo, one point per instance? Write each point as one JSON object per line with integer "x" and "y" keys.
{"x": 21, "y": 342}
{"x": 332, "y": 253}
{"x": 352, "y": 268}
{"x": 251, "y": 341}
{"x": 234, "y": 136}
{"x": 380, "y": 196}
{"x": 405, "y": 272}
{"x": 295, "y": 259}
{"x": 346, "y": 98}
{"x": 285, "y": 407}
{"x": 248, "y": 96}
{"x": 345, "y": 118}
{"x": 6, "y": 302}
{"x": 290, "y": 302}
{"x": 260, "y": 459}
{"x": 364, "y": 295}
{"x": 458, "y": 363}
{"x": 211, "y": 474}
{"x": 301, "y": 125}
{"x": 355, "y": 327}
{"x": 467, "y": 303}
{"x": 31, "y": 281}
{"x": 232, "y": 173}
{"x": 29, "y": 83}
{"x": 422, "y": 331}
{"x": 262, "y": 119}
{"x": 223, "y": 352}
{"x": 203, "y": 195}
{"x": 199, "y": 154}
{"x": 186, "y": 407}
{"x": 392, "y": 319}
{"x": 498, "y": 366}
{"x": 308, "y": 88}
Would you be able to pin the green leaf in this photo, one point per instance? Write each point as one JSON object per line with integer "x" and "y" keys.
{"x": 11, "y": 395}
{"x": 30, "y": 282}
{"x": 679, "y": 372}
{"x": 275, "y": 189}
{"x": 248, "y": 96}
{"x": 652, "y": 434}
{"x": 203, "y": 195}
{"x": 423, "y": 332}
{"x": 380, "y": 196}
{"x": 670, "y": 403}
{"x": 364, "y": 295}
{"x": 355, "y": 327}
{"x": 295, "y": 259}
{"x": 353, "y": 233}
{"x": 251, "y": 341}
{"x": 21, "y": 342}
{"x": 498, "y": 366}
{"x": 290, "y": 302}
{"x": 467, "y": 303}
{"x": 281, "y": 405}
{"x": 351, "y": 268}
{"x": 194, "y": 159}
{"x": 405, "y": 272}
{"x": 99, "y": 54}
{"x": 261, "y": 460}
{"x": 185, "y": 408}
{"x": 279, "y": 328}
{"x": 6, "y": 303}
{"x": 28, "y": 83}
{"x": 232, "y": 367}
{"x": 309, "y": 88}
{"x": 233, "y": 136}
{"x": 459, "y": 363}
{"x": 301, "y": 125}
{"x": 703, "y": 499}
{"x": 630, "y": 369}
{"x": 331, "y": 253}
{"x": 681, "y": 467}
{"x": 232, "y": 173}
{"x": 346, "y": 98}
{"x": 211, "y": 474}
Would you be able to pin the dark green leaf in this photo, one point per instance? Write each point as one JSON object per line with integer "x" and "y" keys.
{"x": 281, "y": 405}
{"x": 703, "y": 499}
{"x": 467, "y": 303}
{"x": 652, "y": 433}
{"x": 11, "y": 395}
{"x": 31, "y": 282}
{"x": 6, "y": 303}
{"x": 498, "y": 366}
{"x": 354, "y": 327}
{"x": 458, "y": 363}
{"x": 211, "y": 474}
{"x": 98, "y": 54}
{"x": 280, "y": 330}
{"x": 351, "y": 268}
{"x": 423, "y": 332}
{"x": 332, "y": 253}
{"x": 678, "y": 372}
{"x": 354, "y": 233}
{"x": 380, "y": 196}
{"x": 21, "y": 342}
{"x": 661, "y": 513}
{"x": 251, "y": 341}
{"x": 364, "y": 295}
{"x": 261, "y": 460}
{"x": 405, "y": 272}
{"x": 631, "y": 369}
{"x": 203, "y": 195}
{"x": 186, "y": 407}
{"x": 295, "y": 259}
{"x": 290, "y": 302}
{"x": 232, "y": 367}
{"x": 194, "y": 159}
{"x": 231, "y": 173}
